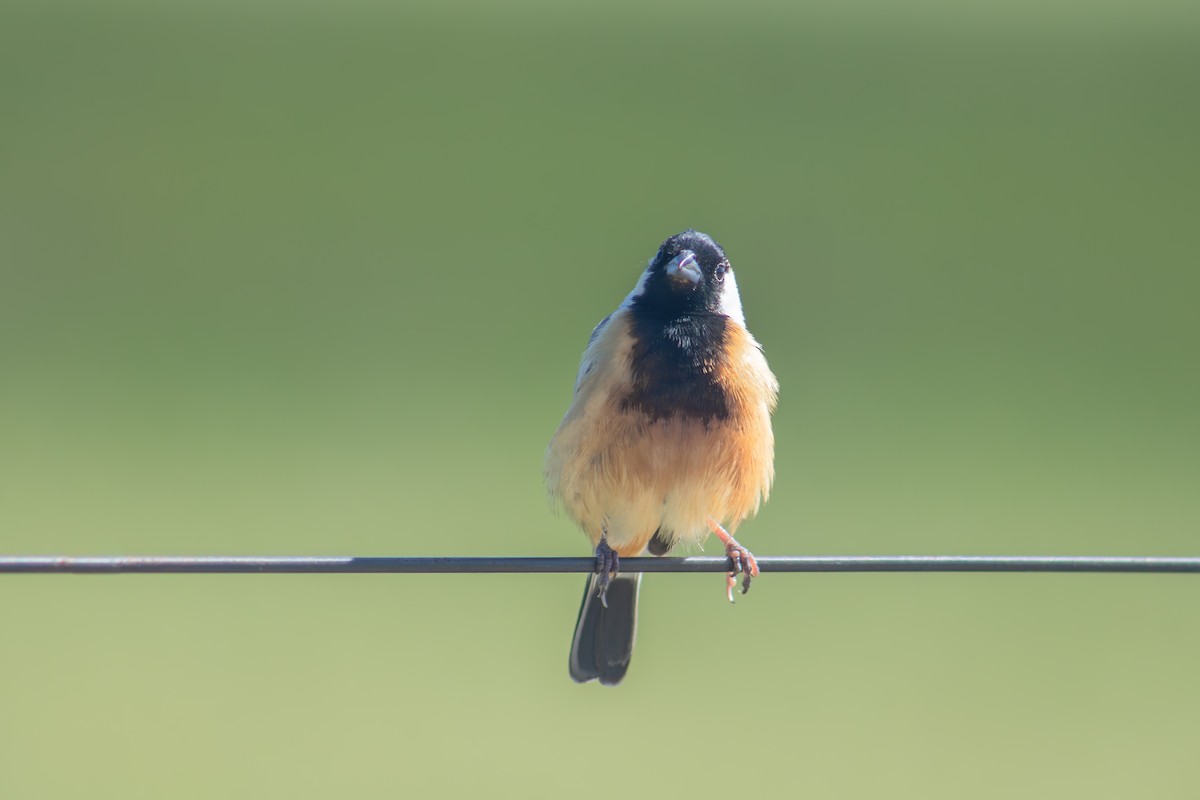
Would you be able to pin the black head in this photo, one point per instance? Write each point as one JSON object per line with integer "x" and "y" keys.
{"x": 690, "y": 274}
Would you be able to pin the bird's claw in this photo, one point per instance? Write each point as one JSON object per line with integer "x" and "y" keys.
{"x": 740, "y": 560}
{"x": 608, "y": 563}
{"x": 743, "y": 561}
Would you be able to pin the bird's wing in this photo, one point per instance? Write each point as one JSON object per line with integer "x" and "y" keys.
{"x": 589, "y": 356}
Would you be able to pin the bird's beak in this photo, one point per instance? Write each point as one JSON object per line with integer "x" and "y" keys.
{"x": 684, "y": 269}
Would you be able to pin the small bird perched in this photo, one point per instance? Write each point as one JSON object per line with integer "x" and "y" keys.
{"x": 668, "y": 437}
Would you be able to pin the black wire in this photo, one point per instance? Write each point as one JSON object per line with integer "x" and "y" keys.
{"x": 107, "y": 565}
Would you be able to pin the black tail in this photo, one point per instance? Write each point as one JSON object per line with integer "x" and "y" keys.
{"x": 604, "y": 637}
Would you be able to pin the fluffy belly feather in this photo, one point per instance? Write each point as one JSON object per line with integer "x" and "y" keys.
{"x": 631, "y": 478}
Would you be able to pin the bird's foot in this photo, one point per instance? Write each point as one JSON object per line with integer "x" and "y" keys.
{"x": 608, "y": 563}
{"x": 743, "y": 562}
{"x": 742, "y": 559}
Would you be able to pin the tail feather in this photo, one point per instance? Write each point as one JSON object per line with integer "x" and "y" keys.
{"x": 604, "y": 637}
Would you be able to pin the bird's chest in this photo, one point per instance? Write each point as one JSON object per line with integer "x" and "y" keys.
{"x": 675, "y": 368}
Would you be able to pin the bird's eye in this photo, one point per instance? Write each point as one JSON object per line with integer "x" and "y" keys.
{"x": 720, "y": 271}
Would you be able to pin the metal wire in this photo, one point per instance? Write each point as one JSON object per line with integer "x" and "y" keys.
{"x": 109, "y": 565}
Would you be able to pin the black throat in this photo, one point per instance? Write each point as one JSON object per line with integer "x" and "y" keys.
{"x": 674, "y": 361}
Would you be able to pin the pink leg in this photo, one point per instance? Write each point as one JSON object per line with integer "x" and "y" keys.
{"x": 743, "y": 560}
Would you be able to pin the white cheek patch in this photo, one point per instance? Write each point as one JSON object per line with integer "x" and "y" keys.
{"x": 638, "y": 290}
{"x": 730, "y": 301}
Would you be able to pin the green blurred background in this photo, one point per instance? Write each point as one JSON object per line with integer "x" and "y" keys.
{"x": 309, "y": 278}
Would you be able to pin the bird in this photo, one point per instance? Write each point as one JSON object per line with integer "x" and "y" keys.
{"x": 667, "y": 438}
